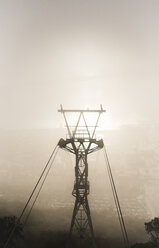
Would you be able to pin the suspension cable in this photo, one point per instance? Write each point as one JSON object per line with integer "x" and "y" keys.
{"x": 30, "y": 197}
{"x": 37, "y": 195}
{"x": 117, "y": 203}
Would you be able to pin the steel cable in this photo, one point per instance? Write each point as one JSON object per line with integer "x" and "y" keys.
{"x": 28, "y": 215}
{"x": 30, "y": 197}
{"x": 117, "y": 203}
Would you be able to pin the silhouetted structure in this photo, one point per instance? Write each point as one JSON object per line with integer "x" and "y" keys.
{"x": 81, "y": 141}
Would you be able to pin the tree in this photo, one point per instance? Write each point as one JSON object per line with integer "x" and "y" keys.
{"x": 152, "y": 228}
{"x": 7, "y": 224}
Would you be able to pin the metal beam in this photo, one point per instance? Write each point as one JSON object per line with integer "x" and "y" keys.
{"x": 82, "y": 110}
{"x": 101, "y": 110}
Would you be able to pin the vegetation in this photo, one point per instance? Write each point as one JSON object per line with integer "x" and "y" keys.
{"x": 152, "y": 228}
{"x": 7, "y": 224}
{"x": 60, "y": 239}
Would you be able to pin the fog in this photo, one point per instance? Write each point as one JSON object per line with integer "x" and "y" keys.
{"x": 81, "y": 54}
{"x": 133, "y": 154}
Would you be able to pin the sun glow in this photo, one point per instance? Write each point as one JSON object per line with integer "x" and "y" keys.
{"x": 107, "y": 123}
{"x": 91, "y": 121}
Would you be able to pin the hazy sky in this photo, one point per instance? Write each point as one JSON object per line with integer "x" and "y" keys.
{"x": 79, "y": 53}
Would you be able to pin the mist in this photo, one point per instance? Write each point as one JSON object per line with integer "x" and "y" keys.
{"x": 133, "y": 155}
{"x": 80, "y": 54}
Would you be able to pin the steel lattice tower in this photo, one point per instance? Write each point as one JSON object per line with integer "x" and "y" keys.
{"x": 81, "y": 141}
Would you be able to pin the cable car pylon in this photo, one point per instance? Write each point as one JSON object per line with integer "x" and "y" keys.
{"x": 81, "y": 141}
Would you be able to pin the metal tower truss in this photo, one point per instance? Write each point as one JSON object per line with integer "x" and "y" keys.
{"x": 81, "y": 141}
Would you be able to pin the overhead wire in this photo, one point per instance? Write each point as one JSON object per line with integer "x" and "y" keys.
{"x": 42, "y": 184}
{"x": 29, "y": 199}
{"x": 116, "y": 204}
{"x": 116, "y": 199}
